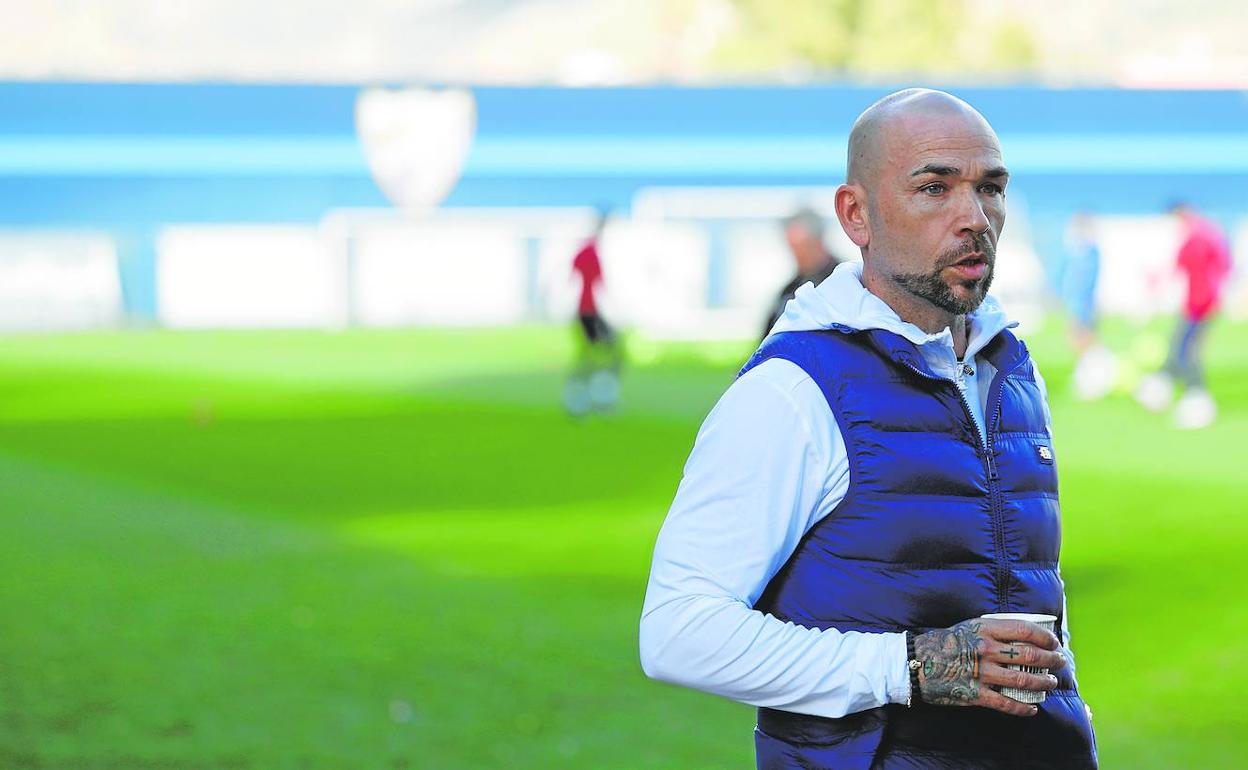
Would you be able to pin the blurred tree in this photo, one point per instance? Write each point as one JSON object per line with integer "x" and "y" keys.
{"x": 908, "y": 36}
{"x": 779, "y": 34}
{"x": 1014, "y": 47}
{"x": 872, "y": 37}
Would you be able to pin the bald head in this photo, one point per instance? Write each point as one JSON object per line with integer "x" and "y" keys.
{"x": 925, "y": 204}
{"x": 893, "y": 119}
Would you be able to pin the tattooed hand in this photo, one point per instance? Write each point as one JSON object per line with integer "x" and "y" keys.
{"x": 959, "y": 663}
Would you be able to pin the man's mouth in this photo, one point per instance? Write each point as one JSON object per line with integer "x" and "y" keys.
{"x": 972, "y": 267}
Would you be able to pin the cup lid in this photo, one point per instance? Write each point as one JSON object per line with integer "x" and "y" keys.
{"x": 1028, "y": 616}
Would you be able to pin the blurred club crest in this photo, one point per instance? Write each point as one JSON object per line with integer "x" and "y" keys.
{"x": 416, "y": 140}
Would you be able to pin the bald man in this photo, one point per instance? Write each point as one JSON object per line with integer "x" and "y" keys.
{"x": 879, "y": 477}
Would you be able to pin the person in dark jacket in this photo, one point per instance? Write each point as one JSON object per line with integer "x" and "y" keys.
{"x": 880, "y": 477}
{"x": 803, "y": 232}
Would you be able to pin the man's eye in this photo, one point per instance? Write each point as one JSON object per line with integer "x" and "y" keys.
{"x": 935, "y": 188}
{"x": 992, "y": 188}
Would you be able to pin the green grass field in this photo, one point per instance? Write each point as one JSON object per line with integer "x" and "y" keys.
{"x": 390, "y": 549}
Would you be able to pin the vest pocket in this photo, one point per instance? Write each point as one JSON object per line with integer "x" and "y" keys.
{"x": 806, "y": 730}
{"x": 787, "y": 741}
{"x": 1059, "y": 733}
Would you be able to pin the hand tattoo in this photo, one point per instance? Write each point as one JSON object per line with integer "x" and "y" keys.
{"x": 950, "y": 658}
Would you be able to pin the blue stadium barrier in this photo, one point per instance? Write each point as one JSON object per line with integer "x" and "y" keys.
{"x": 130, "y": 158}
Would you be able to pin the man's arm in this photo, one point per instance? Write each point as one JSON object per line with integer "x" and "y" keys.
{"x": 768, "y": 463}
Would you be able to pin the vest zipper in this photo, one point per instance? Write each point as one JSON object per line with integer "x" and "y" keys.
{"x": 990, "y": 465}
{"x": 990, "y": 421}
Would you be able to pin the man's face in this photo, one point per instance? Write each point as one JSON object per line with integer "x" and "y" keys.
{"x": 807, "y": 249}
{"x": 937, "y": 207}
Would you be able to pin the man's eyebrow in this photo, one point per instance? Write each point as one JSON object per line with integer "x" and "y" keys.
{"x": 937, "y": 169}
{"x": 996, "y": 172}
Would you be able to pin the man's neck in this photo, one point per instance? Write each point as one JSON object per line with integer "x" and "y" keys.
{"x": 918, "y": 311}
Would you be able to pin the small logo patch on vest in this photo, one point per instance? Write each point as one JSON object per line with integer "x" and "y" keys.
{"x": 1046, "y": 454}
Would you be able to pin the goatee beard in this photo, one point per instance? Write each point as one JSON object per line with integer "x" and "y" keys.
{"x": 934, "y": 289}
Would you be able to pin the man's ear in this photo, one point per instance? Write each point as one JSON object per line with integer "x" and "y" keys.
{"x": 851, "y": 209}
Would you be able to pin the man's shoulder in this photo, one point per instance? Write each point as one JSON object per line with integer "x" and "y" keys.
{"x": 773, "y": 394}
{"x": 777, "y": 372}
{"x": 779, "y": 380}
{"x": 803, "y": 348}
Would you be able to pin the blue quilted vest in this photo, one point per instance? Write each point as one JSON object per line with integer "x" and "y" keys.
{"x": 937, "y": 527}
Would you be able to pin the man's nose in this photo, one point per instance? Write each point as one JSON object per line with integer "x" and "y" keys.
{"x": 971, "y": 215}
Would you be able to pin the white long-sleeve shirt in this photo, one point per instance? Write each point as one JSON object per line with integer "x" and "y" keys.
{"x": 768, "y": 464}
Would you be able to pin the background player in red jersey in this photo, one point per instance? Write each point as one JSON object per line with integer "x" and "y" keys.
{"x": 594, "y": 382}
{"x": 1204, "y": 258}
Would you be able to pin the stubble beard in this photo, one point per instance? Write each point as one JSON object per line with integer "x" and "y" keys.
{"x": 933, "y": 288}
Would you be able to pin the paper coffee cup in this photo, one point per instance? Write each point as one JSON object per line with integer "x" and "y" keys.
{"x": 1045, "y": 621}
